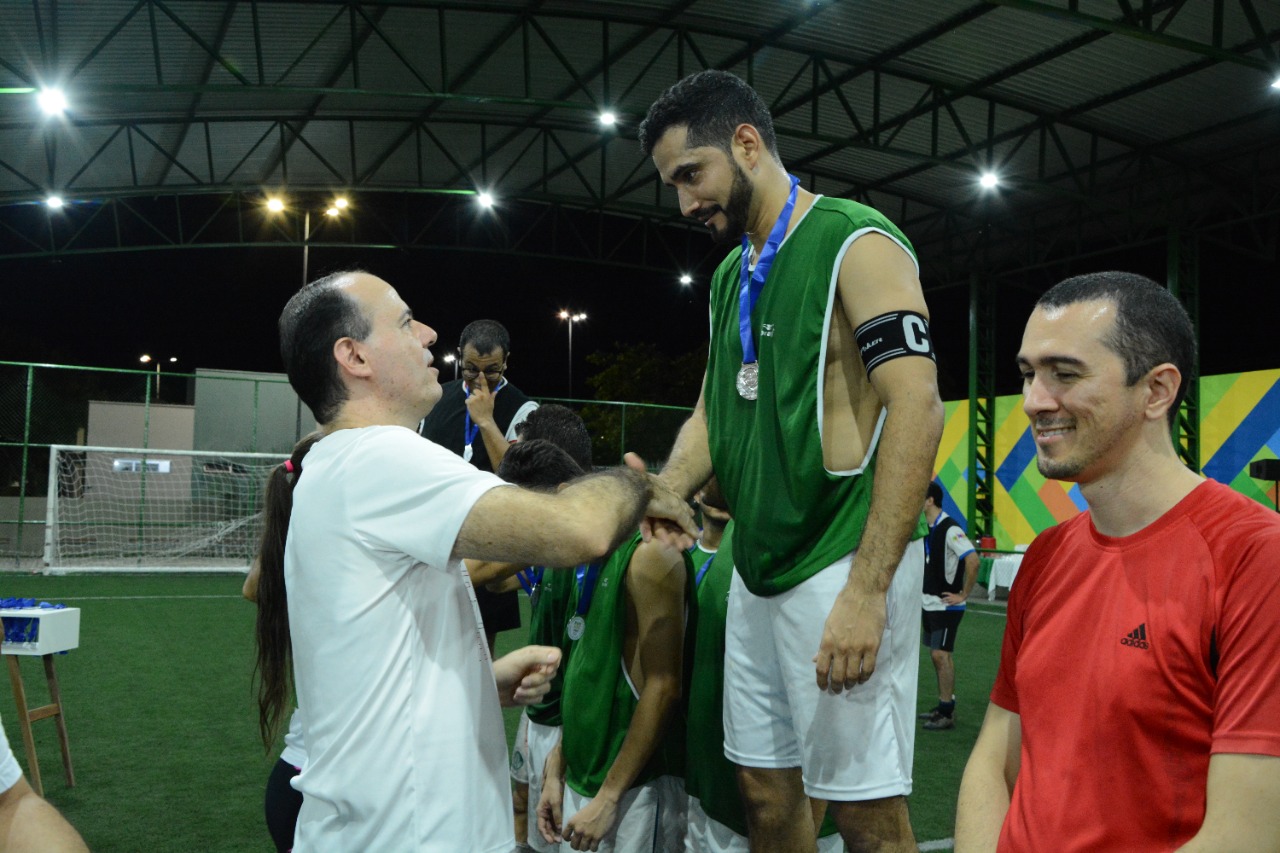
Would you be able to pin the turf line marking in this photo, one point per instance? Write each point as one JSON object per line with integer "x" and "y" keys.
{"x": 999, "y": 613}
{"x": 943, "y": 844}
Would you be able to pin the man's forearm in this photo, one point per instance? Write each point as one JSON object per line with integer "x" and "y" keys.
{"x": 617, "y": 497}
{"x": 981, "y": 810}
{"x": 689, "y": 466}
{"x": 653, "y": 713}
{"x": 970, "y": 573}
{"x": 495, "y": 443}
{"x": 904, "y": 464}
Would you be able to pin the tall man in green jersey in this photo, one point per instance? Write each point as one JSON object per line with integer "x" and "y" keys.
{"x": 820, "y": 416}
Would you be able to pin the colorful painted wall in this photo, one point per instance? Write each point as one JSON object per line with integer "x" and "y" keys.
{"x": 1239, "y": 422}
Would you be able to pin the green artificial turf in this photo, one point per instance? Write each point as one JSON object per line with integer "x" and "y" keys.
{"x": 163, "y": 725}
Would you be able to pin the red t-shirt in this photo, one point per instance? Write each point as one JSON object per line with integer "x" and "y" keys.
{"x": 1130, "y": 660}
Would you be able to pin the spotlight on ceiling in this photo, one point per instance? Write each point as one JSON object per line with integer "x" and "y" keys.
{"x": 52, "y": 101}
{"x": 333, "y": 211}
{"x": 54, "y": 202}
{"x": 1275, "y": 84}
{"x": 486, "y": 200}
{"x": 989, "y": 180}
{"x": 686, "y": 279}
{"x": 608, "y": 119}
{"x": 275, "y": 205}
{"x": 340, "y": 202}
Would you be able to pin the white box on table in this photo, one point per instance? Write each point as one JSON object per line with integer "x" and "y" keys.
{"x": 59, "y": 630}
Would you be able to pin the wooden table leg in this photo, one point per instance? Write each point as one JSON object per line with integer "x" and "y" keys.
{"x": 24, "y": 720}
{"x": 56, "y": 697}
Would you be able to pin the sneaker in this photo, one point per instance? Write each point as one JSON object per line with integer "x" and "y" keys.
{"x": 940, "y": 722}
{"x": 930, "y": 714}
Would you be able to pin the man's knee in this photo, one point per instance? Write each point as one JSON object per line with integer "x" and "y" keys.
{"x": 875, "y": 826}
{"x": 940, "y": 658}
{"x": 771, "y": 794}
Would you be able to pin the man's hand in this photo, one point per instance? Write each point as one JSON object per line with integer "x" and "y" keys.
{"x": 851, "y": 637}
{"x": 551, "y": 802}
{"x": 587, "y": 828}
{"x": 524, "y": 676}
{"x": 668, "y": 516}
{"x": 480, "y": 402}
{"x": 953, "y": 598}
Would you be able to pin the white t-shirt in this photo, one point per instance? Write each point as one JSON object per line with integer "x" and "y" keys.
{"x": 10, "y": 772}
{"x": 295, "y": 749}
{"x": 403, "y": 730}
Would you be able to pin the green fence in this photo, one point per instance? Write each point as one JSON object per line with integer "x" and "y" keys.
{"x": 218, "y": 411}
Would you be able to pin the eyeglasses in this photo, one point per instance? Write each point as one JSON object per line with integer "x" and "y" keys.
{"x": 493, "y": 371}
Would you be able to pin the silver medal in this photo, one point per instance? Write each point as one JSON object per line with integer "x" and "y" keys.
{"x": 576, "y": 626}
{"x": 466, "y": 453}
{"x": 749, "y": 380}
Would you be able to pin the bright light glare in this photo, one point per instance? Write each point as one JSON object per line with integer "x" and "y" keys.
{"x": 173, "y": 359}
{"x": 450, "y": 358}
{"x": 52, "y": 101}
{"x": 608, "y": 119}
{"x": 145, "y": 359}
{"x": 989, "y": 180}
{"x": 275, "y": 205}
{"x": 54, "y": 202}
{"x": 578, "y": 318}
{"x": 340, "y": 203}
{"x": 485, "y": 199}
{"x": 333, "y": 211}
{"x": 1275, "y": 84}
{"x": 686, "y": 279}
{"x": 564, "y": 315}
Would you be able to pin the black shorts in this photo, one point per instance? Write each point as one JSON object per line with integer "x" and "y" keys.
{"x": 500, "y": 611}
{"x": 940, "y": 629}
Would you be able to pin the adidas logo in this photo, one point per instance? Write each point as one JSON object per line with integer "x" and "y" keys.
{"x": 1136, "y": 638}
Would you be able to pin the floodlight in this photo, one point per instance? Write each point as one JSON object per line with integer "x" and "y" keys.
{"x": 275, "y": 205}
{"x": 564, "y": 315}
{"x": 989, "y": 180}
{"x": 608, "y": 118}
{"x": 52, "y": 101}
{"x": 340, "y": 202}
{"x": 173, "y": 359}
{"x": 145, "y": 359}
{"x": 1275, "y": 84}
{"x": 333, "y": 211}
{"x": 686, "y": 279}
{"x": 485, "y": 199}
{"x": 54, "y": 202}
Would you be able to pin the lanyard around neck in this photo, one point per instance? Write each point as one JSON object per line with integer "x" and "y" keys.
{"x": 752, "y": 281}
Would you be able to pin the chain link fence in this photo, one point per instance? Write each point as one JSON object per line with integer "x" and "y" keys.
{"x": 211, "y": 410}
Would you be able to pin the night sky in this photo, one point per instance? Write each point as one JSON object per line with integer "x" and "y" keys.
{"x": 217, "y": 309}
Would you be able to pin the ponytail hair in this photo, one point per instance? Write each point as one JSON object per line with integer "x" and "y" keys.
{"x": 274, "y": 666}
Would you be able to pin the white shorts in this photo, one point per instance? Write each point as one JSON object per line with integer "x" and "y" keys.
{"x": 651, "y": 817}
{"x": 853, "y": 746}
{"x": 541, "y": 740}
{"x": 520, "y": 752}
{"x": 708, "y": 835}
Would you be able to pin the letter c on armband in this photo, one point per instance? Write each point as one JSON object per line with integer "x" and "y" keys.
{"x": 893, "y": 335}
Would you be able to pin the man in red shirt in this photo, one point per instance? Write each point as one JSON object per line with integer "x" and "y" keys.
{"x": 1134, "y": 708}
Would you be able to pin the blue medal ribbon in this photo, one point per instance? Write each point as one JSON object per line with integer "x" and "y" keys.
{"x": 585, "y": 576}
{"x": 529, "y": 579}
{"x": 702, "y": 572}
{"x": 753, "y": 280}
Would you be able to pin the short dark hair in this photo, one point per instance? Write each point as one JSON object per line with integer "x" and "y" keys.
{"x": 537, "y": 464}
{"x": 312, "y": 320}
{"x": 1151, "y": 326}
{"x": 711, "y": 104}
{"x": 485, "y": 336}
{"x": 934, "y": 493}
{"x": 561, "y": 426}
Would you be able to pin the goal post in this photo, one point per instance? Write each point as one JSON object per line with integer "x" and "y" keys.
{"x": 127, "y": 509}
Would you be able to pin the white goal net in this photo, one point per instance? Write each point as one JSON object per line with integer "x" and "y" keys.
{"x": 119, "y": 509}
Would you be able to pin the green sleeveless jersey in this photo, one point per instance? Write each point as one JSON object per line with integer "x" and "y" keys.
{"x": 547, "y": 618}
{"x": 794, "y": 517}
{"x": 709, "y": 776}
{"x": 598, "y": 700}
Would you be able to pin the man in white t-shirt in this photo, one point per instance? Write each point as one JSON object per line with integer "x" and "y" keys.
{"x": 405, "y": 744}
{"x": 27, "y": 821}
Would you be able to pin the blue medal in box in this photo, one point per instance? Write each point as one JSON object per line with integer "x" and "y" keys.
{"x": 585, "y": 576}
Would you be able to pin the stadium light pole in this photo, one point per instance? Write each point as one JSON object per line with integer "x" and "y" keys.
{"x": 147, "y": 359}
{"x": 452, "y": 359}
{"x": 572, "y": 317}
{"x": 333, "y": 211}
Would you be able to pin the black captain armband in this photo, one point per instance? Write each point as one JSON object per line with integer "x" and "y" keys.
{"x": 891, "y": 336}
